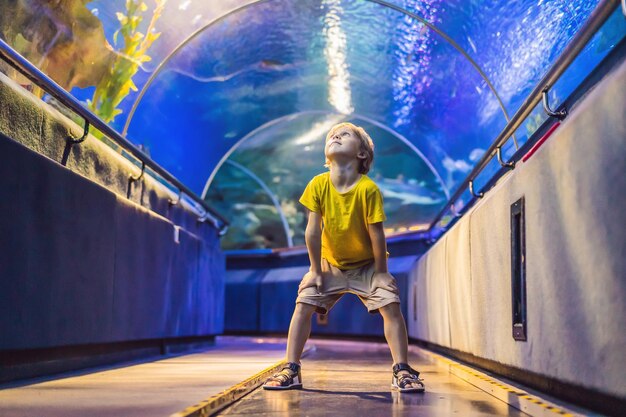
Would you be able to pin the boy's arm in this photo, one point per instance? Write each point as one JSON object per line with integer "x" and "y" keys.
{"x": 313, "y": 238}
{"x": 382, "y": 278}
{"x": 379, "y": 246}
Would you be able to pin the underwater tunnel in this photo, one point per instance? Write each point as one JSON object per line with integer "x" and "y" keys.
{"x": 152, "y": 240}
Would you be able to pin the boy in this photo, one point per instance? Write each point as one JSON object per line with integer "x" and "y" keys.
{"x": 347, "y": 254}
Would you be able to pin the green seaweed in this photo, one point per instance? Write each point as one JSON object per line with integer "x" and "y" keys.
{"x": 118, "y": 82}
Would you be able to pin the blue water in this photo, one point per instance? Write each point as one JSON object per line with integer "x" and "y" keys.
{"x": 284, "y": 70}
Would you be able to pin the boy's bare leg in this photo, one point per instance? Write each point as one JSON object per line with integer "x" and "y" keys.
{"x": 299, "y": 331}
{"x": 395, "y": 333}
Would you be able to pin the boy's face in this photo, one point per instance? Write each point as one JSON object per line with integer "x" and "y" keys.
{"x": 343, "y": 144}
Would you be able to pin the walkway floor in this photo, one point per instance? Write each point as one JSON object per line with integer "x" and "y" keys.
{"x": 353, "y": 379}
{"x": 341, "y": 378}
{"x": 157, "y": 388}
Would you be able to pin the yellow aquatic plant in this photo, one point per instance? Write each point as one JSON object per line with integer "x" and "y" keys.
{"x": 534, "y": 121}
{"x": 118, "y": 82}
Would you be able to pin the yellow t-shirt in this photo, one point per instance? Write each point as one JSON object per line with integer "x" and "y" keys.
{"x": 345, "y": 238}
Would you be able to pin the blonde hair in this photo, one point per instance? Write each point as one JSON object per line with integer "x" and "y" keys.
{"x": 367, "y": 145}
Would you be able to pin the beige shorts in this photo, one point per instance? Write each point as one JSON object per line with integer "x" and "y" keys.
{"x": 337, "y": 282}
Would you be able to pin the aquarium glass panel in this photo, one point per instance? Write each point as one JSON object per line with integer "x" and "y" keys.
{"x": 217, "y": 90}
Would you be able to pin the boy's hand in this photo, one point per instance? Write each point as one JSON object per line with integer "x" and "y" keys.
{"x": 384, "y": 280}
{"x": 311, "y": 279}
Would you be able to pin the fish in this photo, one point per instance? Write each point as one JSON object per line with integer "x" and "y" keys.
{"x": 262, "y": 65}
{"x": 408, "y": 192}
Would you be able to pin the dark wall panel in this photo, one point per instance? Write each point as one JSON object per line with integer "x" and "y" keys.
{"x": 142, "y": 268}
{"x": 242, "y": 309}
{"x": 81, "y": 266}
{"x": 56, "y": 253}
{"x": 279, "y": 289}
{"x": 183, "y": 287}
{"x": 211, "y": 287}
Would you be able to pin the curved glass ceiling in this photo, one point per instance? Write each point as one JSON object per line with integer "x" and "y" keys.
{"x": 282, "y": 155}
{"x": 231, "y": 88}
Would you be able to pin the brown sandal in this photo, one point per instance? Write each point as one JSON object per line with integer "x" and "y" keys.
{"x": 289, "y": 377}
{"x": 405, "y": 382}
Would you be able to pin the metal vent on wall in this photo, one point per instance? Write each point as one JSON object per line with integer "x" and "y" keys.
{"x": 518, "y": 269}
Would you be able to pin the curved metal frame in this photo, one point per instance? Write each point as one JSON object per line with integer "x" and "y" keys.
{"x": 382, "y": 3}
{"x": 471, "y": 189}
{"x": 174, "y": 203}
{"x": 207, "y": 216}
{"x": 343, "y": 117}
{"x": 132, "y": 179}
{"x": 503, "y": 164}
{"x": 561, "y": 114}
{"x": 76, "y": 141}
{"x": 272, "y": 196}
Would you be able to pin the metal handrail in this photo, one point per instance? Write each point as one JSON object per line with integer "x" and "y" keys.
{"x": 597, "y": 18}
{"x": 31, "y": 72}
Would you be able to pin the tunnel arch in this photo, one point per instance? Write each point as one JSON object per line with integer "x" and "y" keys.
{"x": 340, "y": 118}
{"x": 381, "y": 3}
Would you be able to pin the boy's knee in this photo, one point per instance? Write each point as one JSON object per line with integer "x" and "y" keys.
{"x": 304, "y": 309}
{"x": 391, "y": 310}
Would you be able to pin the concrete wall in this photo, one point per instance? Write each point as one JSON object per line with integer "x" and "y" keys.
{"x": 575, "y": 196}
{"x": 79, "y": 262}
